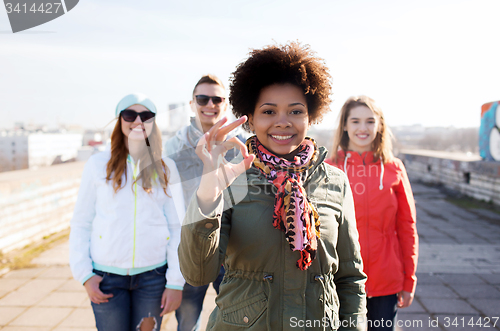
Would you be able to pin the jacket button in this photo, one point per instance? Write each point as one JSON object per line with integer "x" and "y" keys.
{"x": 209, "y": 225}
{"x": 245, "y": 319}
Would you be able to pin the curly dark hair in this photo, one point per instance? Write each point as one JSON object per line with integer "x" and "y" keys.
{"x": 280, "y": 64}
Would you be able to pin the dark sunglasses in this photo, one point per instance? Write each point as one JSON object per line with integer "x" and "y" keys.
{"x": 130, "y": 115}
{"x": 202, "y": 100}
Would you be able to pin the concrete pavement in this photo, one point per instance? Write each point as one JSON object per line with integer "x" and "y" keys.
{"x": 459, "y": 266}
{"x": 48, "y": 298}
{"x": 458, "y": 278}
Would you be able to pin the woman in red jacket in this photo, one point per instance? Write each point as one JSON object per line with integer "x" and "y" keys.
{"x": 385, "y": 209}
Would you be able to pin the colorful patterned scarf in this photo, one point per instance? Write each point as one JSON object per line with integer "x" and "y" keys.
{"x": 293, "y": 213}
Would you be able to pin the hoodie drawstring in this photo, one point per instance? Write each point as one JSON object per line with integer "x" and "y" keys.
{"x": 348, "y": 155}
{"x": 381, "y": 186}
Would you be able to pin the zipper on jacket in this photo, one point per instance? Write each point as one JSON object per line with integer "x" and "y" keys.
{"x": 367, "y": 204}
{"x": 134, "y": 176}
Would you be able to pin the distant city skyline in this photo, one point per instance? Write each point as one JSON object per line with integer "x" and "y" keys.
{"x": 110, "y": 126}
{"x": 432, "y": 63}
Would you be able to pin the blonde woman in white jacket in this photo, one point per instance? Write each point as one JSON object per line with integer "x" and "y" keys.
{"x": 125, "y": 229}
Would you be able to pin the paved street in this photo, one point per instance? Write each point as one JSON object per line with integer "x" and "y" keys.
{"x": 458, "y": 278}
{"x": 458, "y": 269}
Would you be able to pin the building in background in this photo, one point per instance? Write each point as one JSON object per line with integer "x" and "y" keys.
{"x": 95, "y": 137}
{"x": 45, "y": 149}
{"x": 13, "y": 150}
{"x": 20, "y": 149}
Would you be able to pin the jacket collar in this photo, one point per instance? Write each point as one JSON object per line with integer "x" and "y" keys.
{"x": 190, "y": 134}
{"x": 354, "y": 157}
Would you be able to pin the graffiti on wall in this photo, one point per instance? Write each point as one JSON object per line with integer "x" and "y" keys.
{"x": 489, "y": 131}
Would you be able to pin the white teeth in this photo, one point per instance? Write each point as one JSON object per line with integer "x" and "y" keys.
{"x": 281, "y": 137}
{"x": 208, "y": 113}
{"x": 137, "y": 129}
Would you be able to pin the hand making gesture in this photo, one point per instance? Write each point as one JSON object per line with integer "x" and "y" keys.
{"x": 218, "y": 174}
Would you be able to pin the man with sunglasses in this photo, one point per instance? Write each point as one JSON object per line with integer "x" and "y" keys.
{"x": 209, "y": 104}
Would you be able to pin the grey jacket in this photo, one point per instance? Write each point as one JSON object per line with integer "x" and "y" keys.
{"x": 262, "y": 288}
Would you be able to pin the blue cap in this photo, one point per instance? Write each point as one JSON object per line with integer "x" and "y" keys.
{"x": 135, "y": 99}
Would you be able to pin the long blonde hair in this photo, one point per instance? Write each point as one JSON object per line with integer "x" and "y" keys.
{"x": 118, "y": 161}
{"x": 381, "y": 146}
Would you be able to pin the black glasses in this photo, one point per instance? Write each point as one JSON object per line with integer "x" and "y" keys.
{"x": 202, "y": 100}
{"x": 130, "y": 115}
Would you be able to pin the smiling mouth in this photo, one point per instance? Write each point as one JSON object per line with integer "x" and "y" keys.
{"x": 209, "y": 113}
{"x": 137, "y": 129}
{"x": 281, "y": 137}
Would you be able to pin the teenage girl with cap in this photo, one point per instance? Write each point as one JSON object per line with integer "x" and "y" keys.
{"x": 385, "y": 209}
{"x": 290, "y": 246}
{"x": 125, "y": 229}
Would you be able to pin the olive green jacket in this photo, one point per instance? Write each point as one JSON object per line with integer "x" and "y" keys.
{"x": 263, "y": 289}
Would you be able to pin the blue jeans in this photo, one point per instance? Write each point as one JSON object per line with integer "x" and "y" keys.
{"x": 382, "y": 312}
{"x": 134, "y": 298}
{"x": 188, "y": 314}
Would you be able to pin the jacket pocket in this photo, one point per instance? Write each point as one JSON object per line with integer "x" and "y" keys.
{"x": 245, "y": 313}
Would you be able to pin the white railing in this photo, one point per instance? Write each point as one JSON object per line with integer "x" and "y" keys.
{"x": 36, "y": 203}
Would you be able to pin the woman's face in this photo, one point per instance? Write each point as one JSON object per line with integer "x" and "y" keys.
{"x": 133, "y": 130}
{"x": 281, "y": 119}
{"x": 361, "y": 126}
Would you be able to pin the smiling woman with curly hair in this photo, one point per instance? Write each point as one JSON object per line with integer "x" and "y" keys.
{"x": 288, "y": 64}
{"x": 290, "y": 245}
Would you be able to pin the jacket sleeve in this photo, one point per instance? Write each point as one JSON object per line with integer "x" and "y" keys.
{"x": 350, "y": 278}
{"x": 81, "y": 226}
{"x": 204, "y": 239}
{"x": 174, "y": 213}
{"x": 406, "y": 227}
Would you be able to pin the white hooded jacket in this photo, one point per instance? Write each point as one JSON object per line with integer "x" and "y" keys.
{"x": 127, "y": 232}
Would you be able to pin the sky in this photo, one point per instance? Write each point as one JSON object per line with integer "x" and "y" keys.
{"x": 428, "y": 62}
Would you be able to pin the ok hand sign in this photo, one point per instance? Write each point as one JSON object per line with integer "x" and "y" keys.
{"x": 218, "y": 174}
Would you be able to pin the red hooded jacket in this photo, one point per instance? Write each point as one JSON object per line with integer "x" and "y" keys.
{"x": 386, "y": 221}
